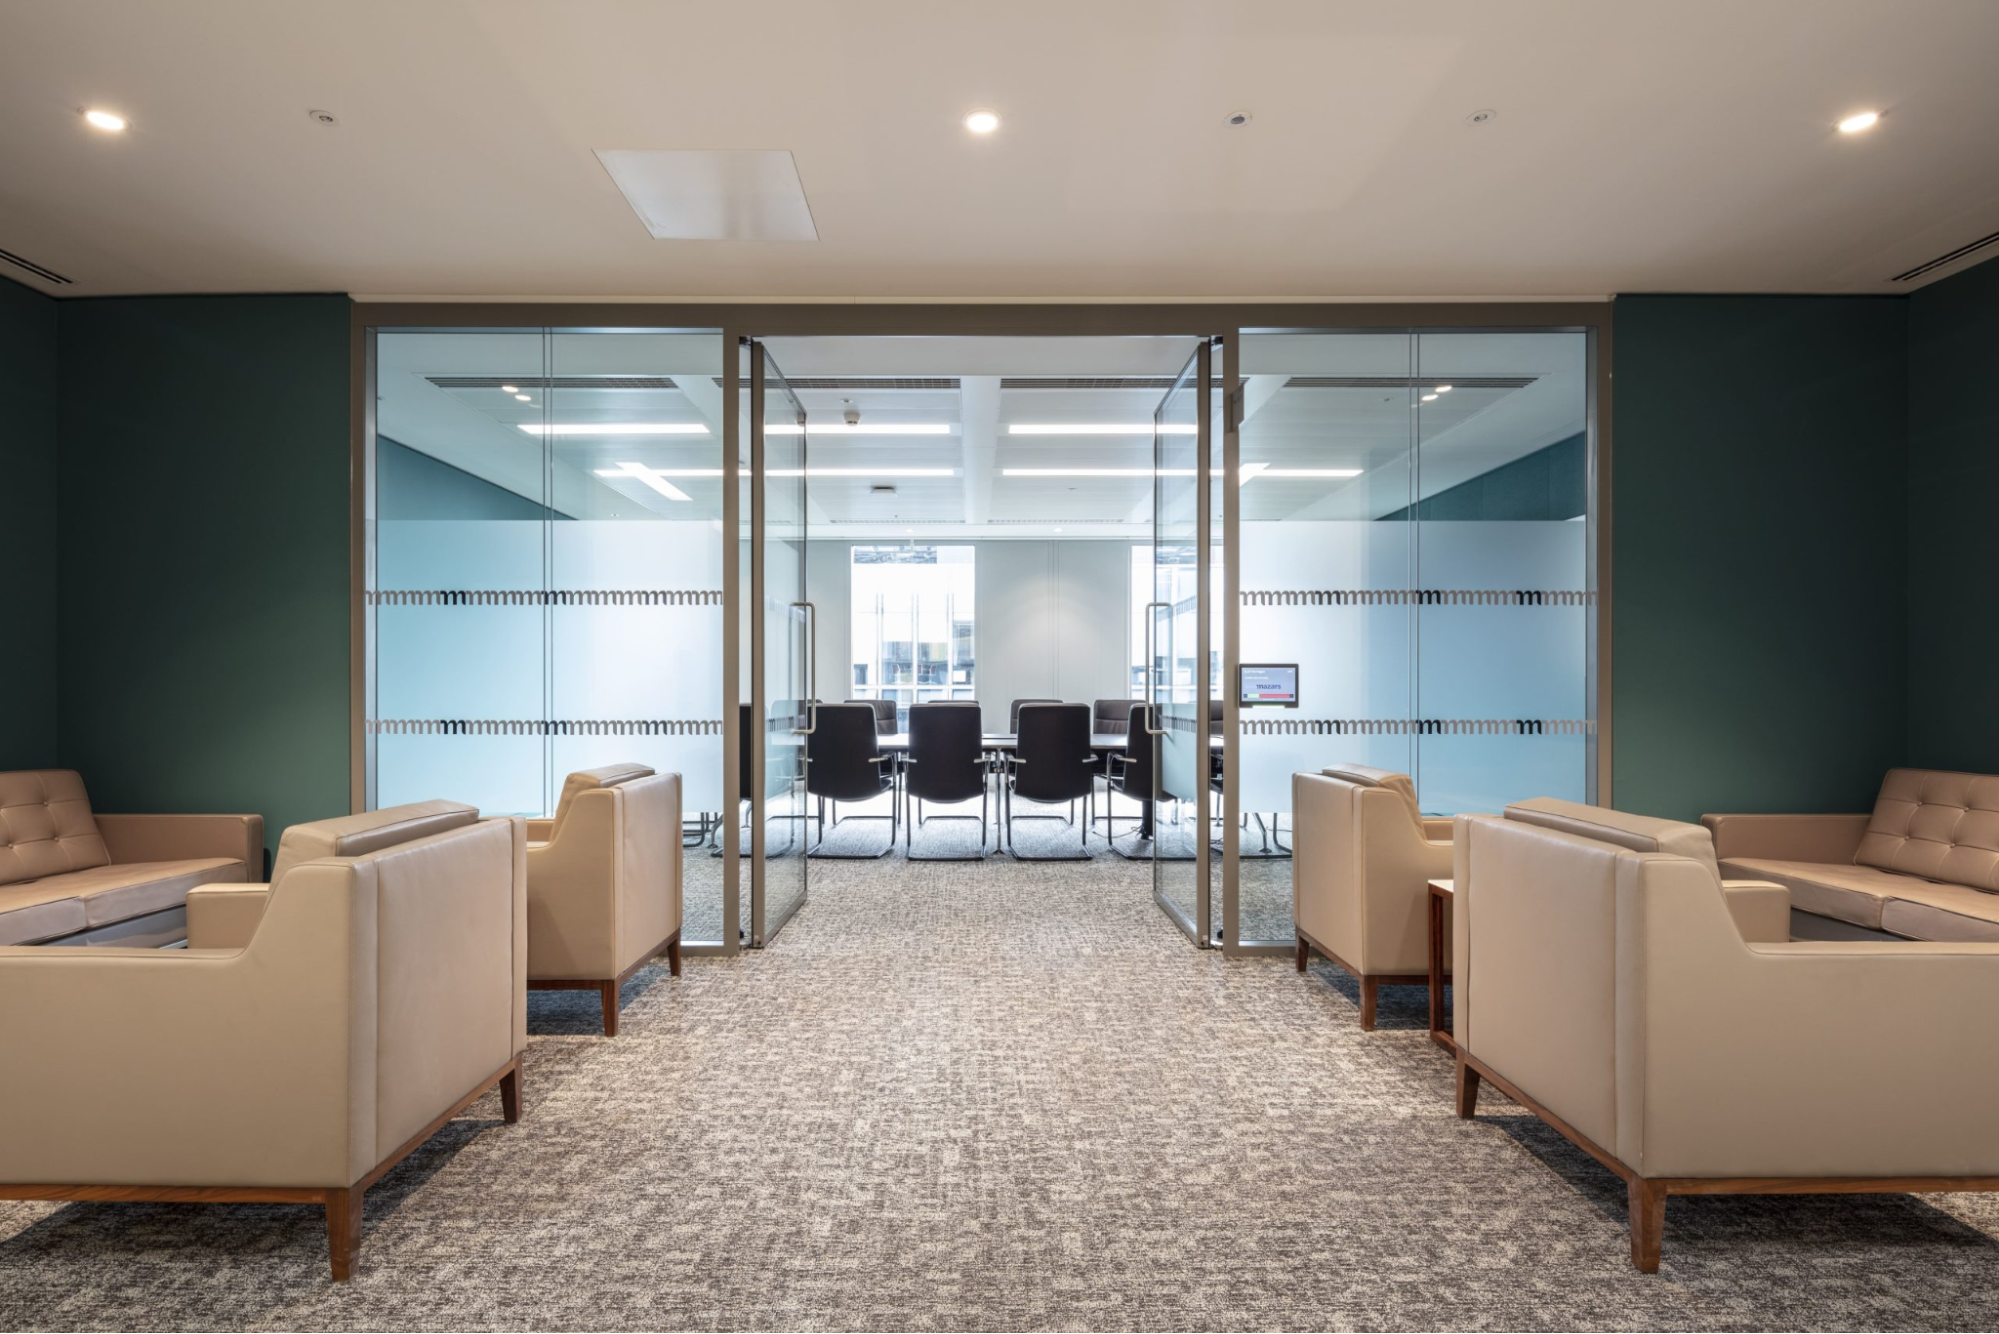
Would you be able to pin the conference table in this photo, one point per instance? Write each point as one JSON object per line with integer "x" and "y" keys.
{"x": 1101, "y": 743}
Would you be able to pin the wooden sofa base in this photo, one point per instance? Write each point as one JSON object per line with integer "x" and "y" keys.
{"x": 1646, "y": 1196}
{"x": 1370, "y": 983}
{"x": 342, "y": 1203}
{"x": 608, "y": 988}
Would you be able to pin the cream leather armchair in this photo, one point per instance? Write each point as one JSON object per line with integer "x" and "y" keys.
{"x": 1362, "y": 861}
{"x": 604, "y": 883}
{"x": 1609, "y": 982}
{"x": 360, "y": 1001}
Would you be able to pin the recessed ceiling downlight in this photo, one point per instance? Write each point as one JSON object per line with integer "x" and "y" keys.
{"x": 109, "y": 121}
{"x": 1860, "y": 120}
{"x": 982, "y": 121}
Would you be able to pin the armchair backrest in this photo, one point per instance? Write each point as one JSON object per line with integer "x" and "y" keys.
{"x": 946, "y": 753}
{"x": 840, "y": 754}
{"x": 1387, "y": 780}
{"x": 1053, "y": 753}
{"x": 1013, "y": 711}
{"x": 46, "y": 826}
{"x": 884, "y": 714}
{"x": 1639, "y": 833}
{"x": 585, "y": 780}
{"x": 367, "y": 831}
{"x": 1112, "y": 715}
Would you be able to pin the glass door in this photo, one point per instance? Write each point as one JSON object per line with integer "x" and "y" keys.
{"x": 783, "y": 628}
{"x": 1177, "y": 657}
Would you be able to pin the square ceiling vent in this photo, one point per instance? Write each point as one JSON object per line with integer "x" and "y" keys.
{"x": 713, "y": 196}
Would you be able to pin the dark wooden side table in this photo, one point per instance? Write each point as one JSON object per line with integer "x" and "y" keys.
{"x": 1440, "y": 903}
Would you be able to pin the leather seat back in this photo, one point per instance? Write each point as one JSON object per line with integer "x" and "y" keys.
{"x": 1938, "y": 825}
{"x": 46, "y": 827}
{"x": 368, "y": 831}
{"x": 1639, "y": 833}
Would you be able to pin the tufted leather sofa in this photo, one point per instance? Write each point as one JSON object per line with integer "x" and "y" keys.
{"x": 1923, "y": 866}
{"x": 73, "y": 877}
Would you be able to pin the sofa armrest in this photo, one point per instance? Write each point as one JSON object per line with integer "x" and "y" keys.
{"x": 1762, "y": 910}
{"x": 540, "y": 829}
{"x": 1787, "y": 838}
{"x": 572, "y": 892}
{"x": 224, "y": 917}
{"x": 1437, "y": 828}
{"x": 174, "y": 838}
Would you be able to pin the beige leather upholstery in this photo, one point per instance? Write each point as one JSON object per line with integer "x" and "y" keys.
{"x": 1366, "y": 775}
{"x": 1937, "y": 825}
{"x": 1762, "y": 911}
{"x": 64, "y": 869}
{"x": 224, "y": 917}
{"x": 1845, "y": 893}
{"x": 604, "y": 890}
{"x": 355, "y": 835}
{"x": 1640, "y": 833}
{"x": 1361, "y": 868}
{"x": 1923, "y": 911}
{"x": 1615, "y": 988}
{"x": 46, "y": 827}
{"x": 376, "y": 991}
{"x": 1787, "y": 838}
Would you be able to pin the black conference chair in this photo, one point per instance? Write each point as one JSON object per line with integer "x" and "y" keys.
{"x": 1052, "y": 764}
{"x": 1013, "y": 712}
{"x": 884, "y": 714}
{"x": 1112, "y": 715}
{"x": 844, "y": 761}
{"x": 946, "y": 763}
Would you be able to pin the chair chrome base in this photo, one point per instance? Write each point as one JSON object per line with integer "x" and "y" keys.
{"x": 894, "y": 817}
{"x": 914, "y": 819}
{"x": 1085, "y": 855}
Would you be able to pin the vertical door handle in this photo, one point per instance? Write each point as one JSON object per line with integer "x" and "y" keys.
{"x": 1151, "y": 643}
{"x": 811, "y": 669}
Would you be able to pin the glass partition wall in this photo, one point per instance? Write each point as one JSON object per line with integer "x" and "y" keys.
{"x": 1416, "y": 548}
{"x": 544, "y": 586}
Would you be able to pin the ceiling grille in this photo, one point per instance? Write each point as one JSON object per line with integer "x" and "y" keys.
{"x": 1405, "y": 382}
{"x": 1909, "y": 275}
{"x": 29, "y": 266}
{"x": 945, "y": 382}
{"x": 553, "y": 381}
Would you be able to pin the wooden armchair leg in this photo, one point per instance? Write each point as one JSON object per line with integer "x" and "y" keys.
{"x": 343, "y": 1229}
{"x": 1370, "y": 991}
{"x": 610, "y": 993}
{"x": 1467, "y": 1089}
{"x": 1304, "y": 954}
{"x": 673, "y": 955}
{"x": 1648, "y": 1223}
{"x": 510, "y": 1094}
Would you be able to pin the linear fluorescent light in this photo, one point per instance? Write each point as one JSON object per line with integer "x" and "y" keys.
{"x": 614, "y": 428}
{"x": 620, "y": 471}
{"x": 1307, "y": 472}
{"x": 1101, "y": 428}
{"x": 638, "y": 472}
{"x": 1249, "y": 472}
{"x": 859, "y": 428}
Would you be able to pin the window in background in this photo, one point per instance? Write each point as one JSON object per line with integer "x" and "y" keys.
{"x": 914, "y": 624}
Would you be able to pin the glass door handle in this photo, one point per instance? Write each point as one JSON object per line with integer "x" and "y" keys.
{"x": 1151, "y": 627}
{"x": 811, "y": 669}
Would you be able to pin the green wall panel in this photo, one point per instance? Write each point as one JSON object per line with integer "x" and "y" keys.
{"x": 1953, "y": 480}
{"x": 204, "y": 554}
{"x": 28, "y": 527}
{"x": 1759, "y": 552}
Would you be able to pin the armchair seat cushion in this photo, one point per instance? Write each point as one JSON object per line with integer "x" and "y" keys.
{"x": 113, "y": 893}
{"x": 30, "y": 912}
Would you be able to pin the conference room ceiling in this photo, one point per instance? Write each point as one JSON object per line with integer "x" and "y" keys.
{"x": 1655, "y": 145}
{"x": 1314, "y": 404}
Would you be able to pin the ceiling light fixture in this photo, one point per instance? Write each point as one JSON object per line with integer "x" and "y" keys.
{"x": 1101, "y": 428}
{"x": 638, "y": 472}
{"x": 1309, "y": 472}
{"x": 510, "y": 389}
{"x": 109, "y": 121}
{"x": 1863, "y": 120}
{"x": 1429, "y": 398}
{"x": 612, "y": 428}
{"x": 982, "y": 121}
{"x": 859, "y": 428}
{"x": 524, "y": 398}
{"x": 1443, "y": 389}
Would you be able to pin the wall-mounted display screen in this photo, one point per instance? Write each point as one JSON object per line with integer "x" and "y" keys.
{"x": 1269, "y": 684}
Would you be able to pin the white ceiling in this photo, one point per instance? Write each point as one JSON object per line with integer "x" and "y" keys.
{"x": 1533, "y": 394}
{"x": 1662, "y": 145}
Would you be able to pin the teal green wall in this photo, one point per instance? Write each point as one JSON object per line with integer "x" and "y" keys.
{"x": 1953, "y": 484}
{"x": 203, "y": 544}
{"x": 1550, "y": 483}
{"x": 28, "y": 693}
{"x": 1759, "y": 552}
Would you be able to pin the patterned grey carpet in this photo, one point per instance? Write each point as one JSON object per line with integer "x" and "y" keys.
{"x": 998, "y": 1096}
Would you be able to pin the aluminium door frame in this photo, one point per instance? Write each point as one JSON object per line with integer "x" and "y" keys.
{"x": 769, "y": 319}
